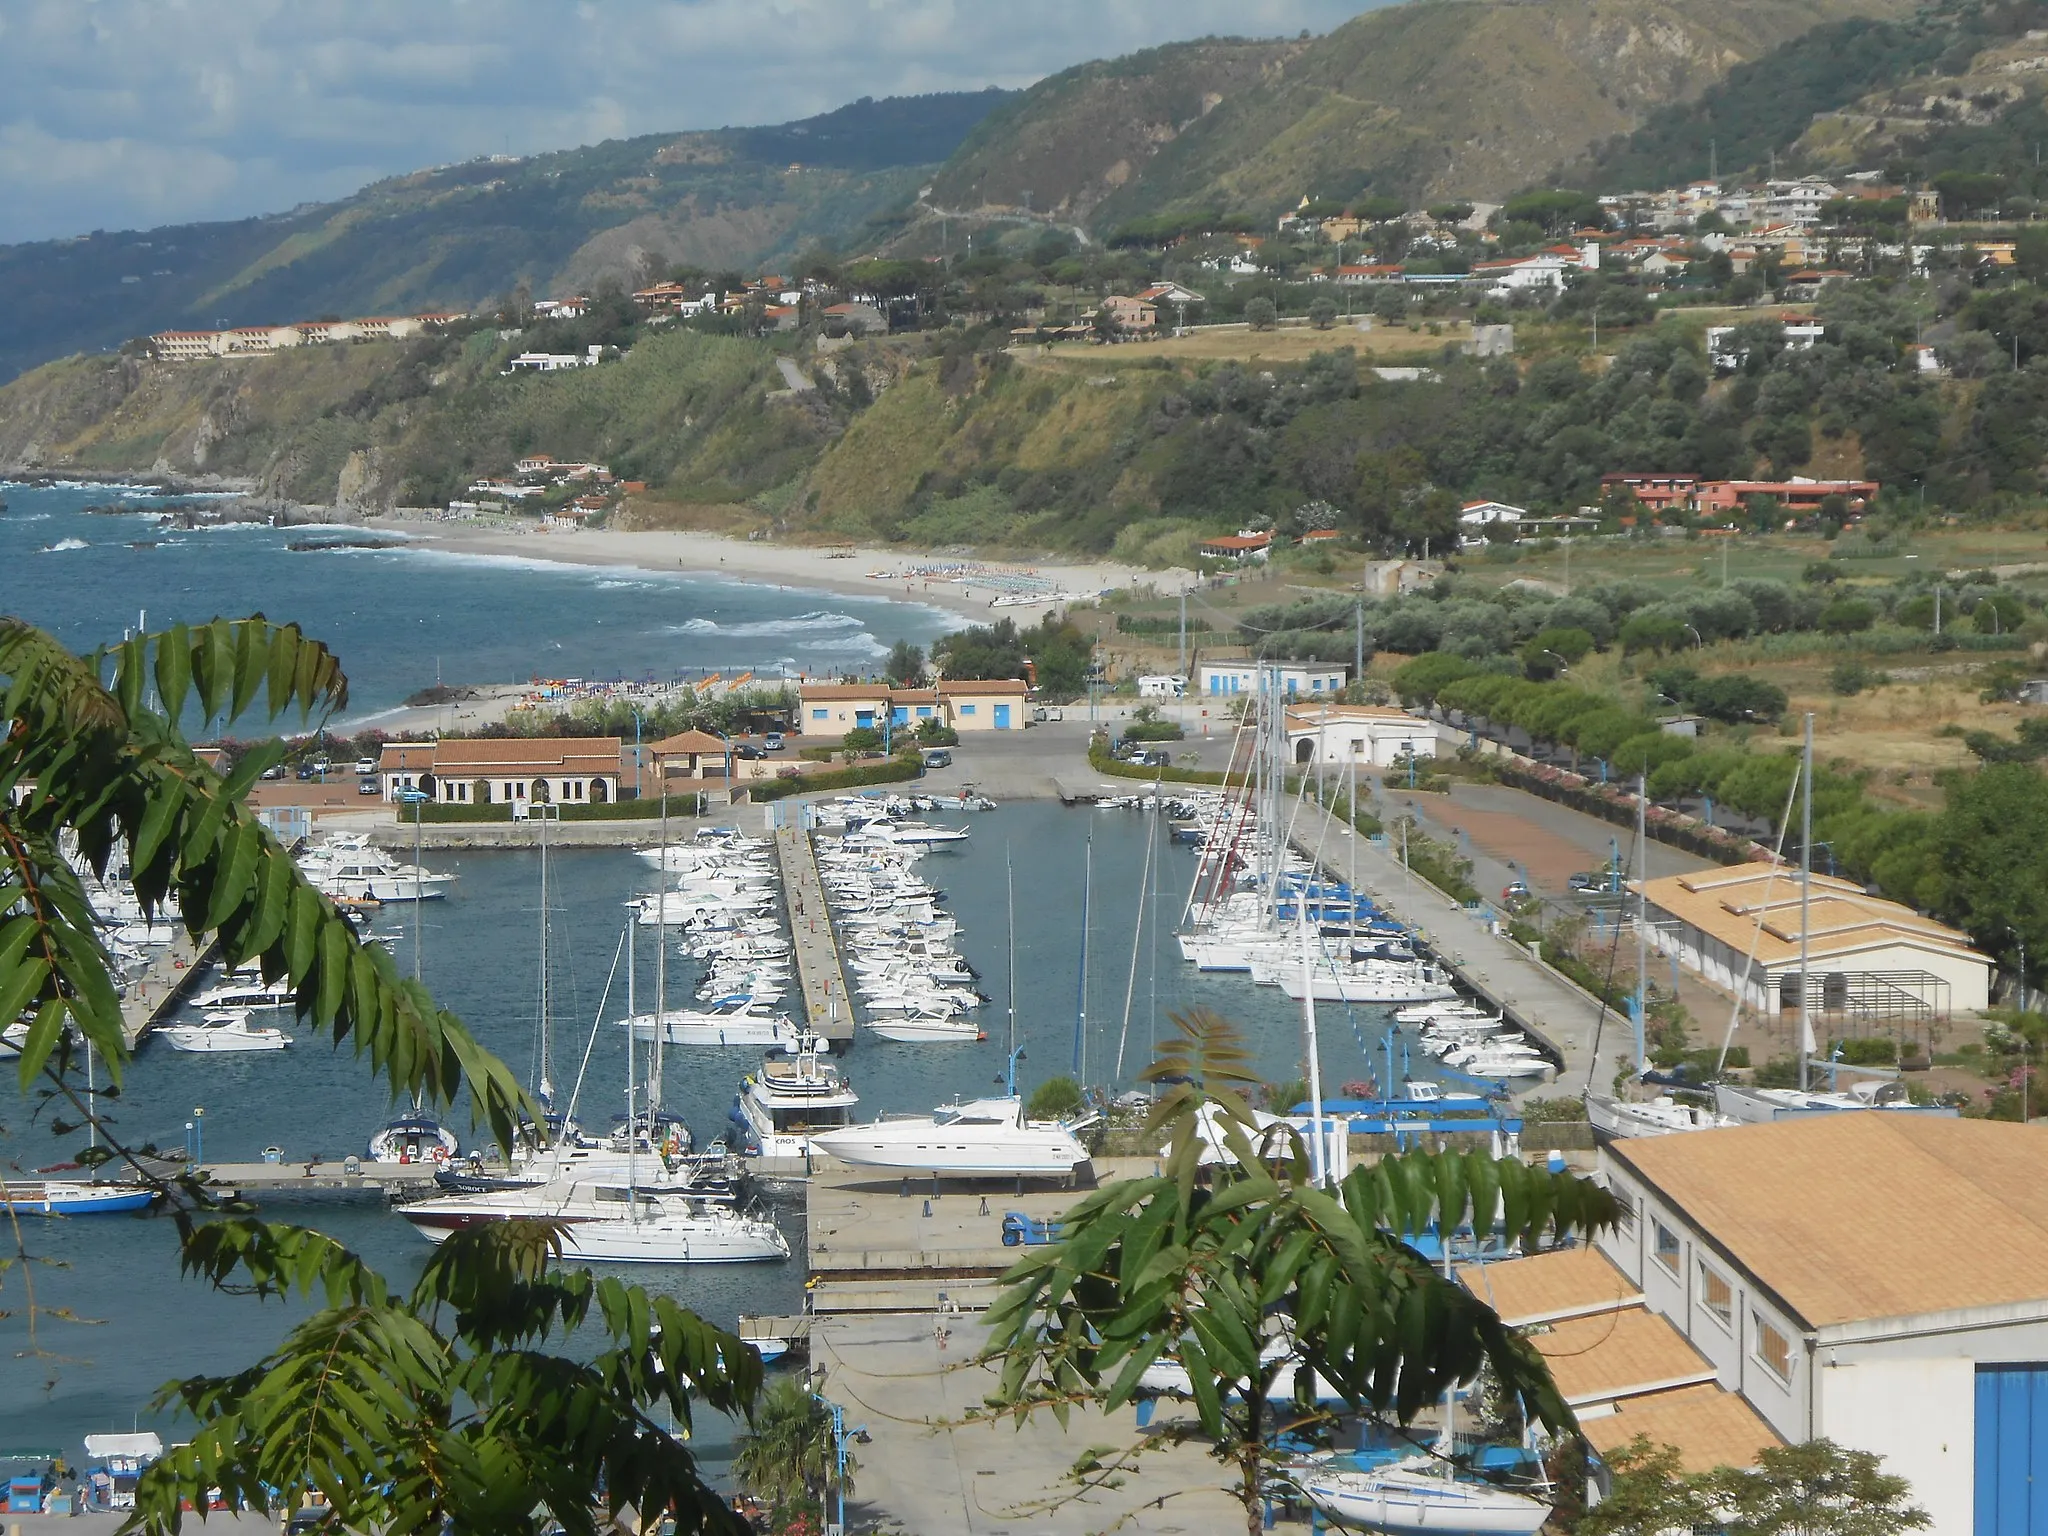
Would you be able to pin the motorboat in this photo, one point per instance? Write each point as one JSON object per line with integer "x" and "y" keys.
{"x": 983, "y": 1138}
{"x": 917, "y": 834}
{"x": 222, "y": 1032}
{"x": 783, "y": 1105}
{"x": 1417, "y": 1495}
{"x": 353, "y": 868}
{"x": 1752, "y": 1106}
{"x": 1662, "y": 1116}
{"x": 72, "y": 1197}
{"x": 739, "y": 1024}
{"x": 925, "y": 1028}
{"x": 247, "y": 993}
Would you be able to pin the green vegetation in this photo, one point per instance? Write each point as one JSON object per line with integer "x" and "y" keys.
{"x": 1817, "y": 1488}
{"x": 407, "y": 1410}
{"x": 892, "y": 771}
{"x": 1057, "y": 1098}
{"x": 789, "y": 1457}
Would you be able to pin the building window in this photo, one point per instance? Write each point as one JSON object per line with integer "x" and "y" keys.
{"x": 821, "y": 714}
{"x": 1717, "y": 1295}
{"x": 1772, "y": 1348}
{"x": 1626, "y": 1200}
{"x": 966, "y": 709}
{"x": 1667, "y": 1249}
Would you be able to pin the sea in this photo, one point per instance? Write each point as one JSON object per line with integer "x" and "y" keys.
{"x": 402, "y": 619}
{"x": 1089, "y": 957}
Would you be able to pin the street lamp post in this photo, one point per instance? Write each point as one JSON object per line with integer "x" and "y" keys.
{"x": 1697, "y": 643}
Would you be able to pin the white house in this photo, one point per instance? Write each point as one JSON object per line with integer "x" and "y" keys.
{"x": 1223, "y": 678}
{"x": 1357, "y": 733}
{"x": 1878, "y": 1278}
{"x": 1475, "y": 517}
{"x": 1800, "y": 336}
{"x": 1870, "y": 959}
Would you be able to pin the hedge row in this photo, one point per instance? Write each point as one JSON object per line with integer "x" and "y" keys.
{"x": 611, "y": 810}
{"x": 1100, "y": 760}
{"x": 894, "y": 771}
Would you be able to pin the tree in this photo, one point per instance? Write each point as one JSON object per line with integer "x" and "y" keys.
{"x": 407, "y": 1410}
{"x": 1649, "y": 1493}
{"x": 1650, "y": 631}
{"x": 1057, "y": 1098}
{"x": 1815, "y": 1489}
{"x": 1260, "y": 314}
{"x": 1322, "y": 312}
{"x": 905, "y": 667}
{"x": 1848, "y": 616}
{"x": 1213, "y": 1270}
{"x": 790, "y": 1457}
{"x": 981, "y": 652}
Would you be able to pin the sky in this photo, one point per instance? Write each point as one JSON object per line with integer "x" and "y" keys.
{"x": 119, "y": 114}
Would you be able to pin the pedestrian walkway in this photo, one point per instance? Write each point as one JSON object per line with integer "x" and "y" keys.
{"x": 815, "y": 945}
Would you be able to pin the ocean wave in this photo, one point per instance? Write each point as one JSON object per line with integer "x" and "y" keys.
{"x": 816, "y": 622}
{"x": 61, "y": 545}
{"x": 853, "y": 645}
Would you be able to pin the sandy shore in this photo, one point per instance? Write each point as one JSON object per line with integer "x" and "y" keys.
{"x": 980, "y": 588}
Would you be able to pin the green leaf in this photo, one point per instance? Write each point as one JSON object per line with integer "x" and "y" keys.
{"x": 174, "y": 670}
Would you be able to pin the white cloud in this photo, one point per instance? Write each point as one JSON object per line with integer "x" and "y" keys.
{"x": 131, "y": 112}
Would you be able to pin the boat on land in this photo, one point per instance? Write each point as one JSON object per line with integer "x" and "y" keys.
{"x": 983, "y": 1138}
{"x": 1661, "y": 1116}
{"x": 1418, "y": 1496}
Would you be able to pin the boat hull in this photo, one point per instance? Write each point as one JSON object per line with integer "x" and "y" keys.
{"x": 925, "y": 1031}
{"x": 56, "y": 1197}
{"x": 1401, "y": 1504}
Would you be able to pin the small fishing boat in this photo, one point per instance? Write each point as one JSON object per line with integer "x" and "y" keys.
{"x": 72, "y": 1197}
{"x": 414, "y": 1137}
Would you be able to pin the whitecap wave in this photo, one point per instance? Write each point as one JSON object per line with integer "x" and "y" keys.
{"x": 61, "y": 545}
{"x": 817, "y": 622}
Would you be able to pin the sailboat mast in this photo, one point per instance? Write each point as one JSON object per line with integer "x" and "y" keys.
{"x": 1318, "y": 1161}
{"x": 1010, "y": 897}
{"x": 1806, "y": 1041}
{"x": 1081, "y": 1001}
{"x": 661, "y": 965}
{"x": 546, "y": 1086}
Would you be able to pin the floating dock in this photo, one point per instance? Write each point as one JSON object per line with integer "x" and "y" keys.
{"x": 318, "y": 1176}
{"x": 812, "y": 939}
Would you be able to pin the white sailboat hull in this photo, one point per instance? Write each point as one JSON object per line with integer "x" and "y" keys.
{"x": 1397, "y": 1501}
{"x": 710, "y": 1029}
{"x": 1390, "y": 986}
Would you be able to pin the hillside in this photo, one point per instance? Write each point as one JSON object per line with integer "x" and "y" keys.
{"x": 457, "y": 235}
{"x": 1437, "y": 98}
{"x": 1846, "y": 95}
{"x": 1067, "y": 143}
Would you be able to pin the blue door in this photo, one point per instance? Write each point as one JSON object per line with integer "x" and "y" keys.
{"x": 2012, "y": 1450}
{"x": 1003, "y": 724}
{"x": 902, "y": 714}
{"x": 864, "y": 719}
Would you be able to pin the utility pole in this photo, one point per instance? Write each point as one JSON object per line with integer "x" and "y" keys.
{"x": 1642, "y": 920}
{"x": 1358, "y": 639}
{"x": 1806, "y": 1042}
{"x": 1183, "y": 631}
{"x": 1937, "y": 607}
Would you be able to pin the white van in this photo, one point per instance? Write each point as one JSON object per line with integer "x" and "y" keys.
{"x": 1161, "y": 686}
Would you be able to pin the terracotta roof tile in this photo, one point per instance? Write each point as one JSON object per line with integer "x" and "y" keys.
{"x": 1866, "y": 1213}
{"x": 1547, "y": 1287}
{"x": 1607, "y": 1355}
{"x": 1710, "y": 1427}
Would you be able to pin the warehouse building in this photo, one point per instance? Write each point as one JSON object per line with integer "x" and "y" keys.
{"x": 1870, "y": 960}
{"x": 1877, "y": 1279}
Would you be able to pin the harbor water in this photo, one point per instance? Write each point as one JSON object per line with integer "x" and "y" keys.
{"x": 141, "y": 1324}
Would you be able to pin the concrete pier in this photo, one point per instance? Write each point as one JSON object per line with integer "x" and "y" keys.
{"x": 162, "y": 987}
{"x": 816, "y": 946}
{"x": 305, "y": 1176}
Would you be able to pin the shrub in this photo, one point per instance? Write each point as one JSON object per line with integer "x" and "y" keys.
{"x": 894, "y": 771}
{"x": 1848, "y": 616}
{"x": 1853, "y": 677}
{"x": 1054, "y": 1099}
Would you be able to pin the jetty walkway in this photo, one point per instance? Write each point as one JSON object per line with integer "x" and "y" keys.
{"x": 812, "y": 939}
{"x": 1543, "y": 1003}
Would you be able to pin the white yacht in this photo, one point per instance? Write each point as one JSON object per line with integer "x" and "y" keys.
{"x": 355, "y": 871}
{"x": 1751, "y": 1106}
{"x": 742, "y": 1023}
{"x": 784, "y": 1104}
{"x": 918, "y": 1028}
{"x": 247, "y": 992}
{"x": 982, "y": 1138}
{"x": 1363, "y": 981}
{"x": 221, "y": 1032}
{"x": 414, "y": 1137}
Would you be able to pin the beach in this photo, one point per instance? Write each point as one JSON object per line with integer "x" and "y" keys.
{"x": 981, "y": 589}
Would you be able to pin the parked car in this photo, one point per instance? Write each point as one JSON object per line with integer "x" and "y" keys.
{"x": 747, "y": 752}
{"x": 773, "y": 742}
{"x": 366, "y": 765}
{"x": 937, "y": 757}
{"x": 1514, "y": 891}
{"x": 1159, "y": 758}
{"x": 368, "y": 785}
{"x": 308, "y": 771}
{"x": 1599, "y": 882}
